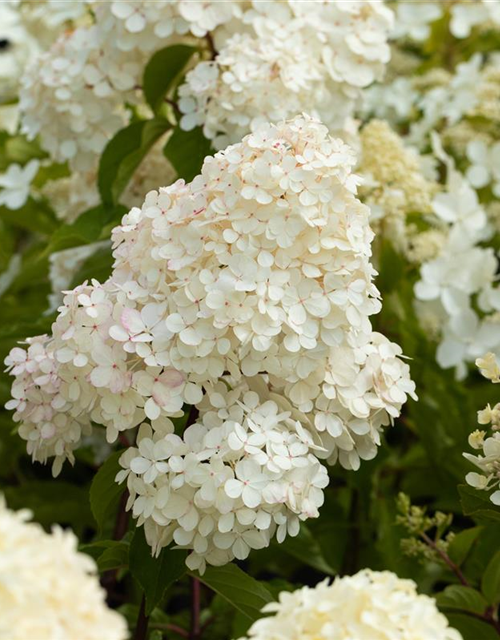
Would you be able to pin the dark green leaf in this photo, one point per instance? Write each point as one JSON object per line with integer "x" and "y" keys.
{"x": 471, "y": 628}
{"x": 34, "y": 216}
{"x": 109, "y": 554}
{"x": 244, "y": 592}
{"x": 462, "y": 543}
{"x": 187, "y": 150}
{"x": 164, "y": 67}
{"x": 123, "y": 154}
{"x": 98, "y": 266}
{"x": 86, "y": 229}
{"x": 105, "y": 492}
{"x": 154, "y": 575}
{"x": 463, "y": 598}
{"x": 52, "y": 501}
{"x": 115, "y": 557}
{"x": 490, "y": 584}
{"x": 477, "y": 503}
{"x": 305, "y": 548}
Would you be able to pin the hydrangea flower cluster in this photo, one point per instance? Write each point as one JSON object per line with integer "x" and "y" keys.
{"x": 488, "y": 461}
{"x": 296, "y": 57}
{"x": 461, "y": 279}
{"x": 86, "y": 85}
{"x": 394, "y": 187}
{"x": 448, "y": 231}
{"x": 48, "y": 589}
{"x": 257, "y": 274}
{"x": 243, "y": 472}
{"x": 89, "y": 74}
{"x": 369, "y": 605}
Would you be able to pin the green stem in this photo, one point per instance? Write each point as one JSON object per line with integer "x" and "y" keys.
{"x": 141, "y": 630}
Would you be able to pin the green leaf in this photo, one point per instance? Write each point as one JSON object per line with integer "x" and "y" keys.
{"x": 161, "y": 71}
{"x": 154, "y": 575}
{"x": 305, "y": 548}
{"x": 89, "y": 227}
{"x": 86, "y": 229}
{"x": 52, "y": 501}
{"x": 471, "y": 628}
{"x": 490, "y": 583}
{"x": 187, "y": 150}
{"x": 123, "y": 154}
{"x": 98, "y": 266}
{"x": 35, "y": 216}
{"x": 462, "y": 543}
{"x": 244, "y": 592}
{"x": 109, "y": 554}
{"x": 463, "y": 598}
{"x": 477, "y": 503}
{"x": 115, "y": 557}
{"x": 105, "y": 492}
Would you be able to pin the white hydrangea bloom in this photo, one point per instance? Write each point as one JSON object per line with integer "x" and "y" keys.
{"x": 242, "y": 473}
{"x": 144, "y": 25}
{"x": 72, "y": 195}
{"x": 262, "y": 276}
{"x": 296, "y": 57}
{"x": 466, "y": 15}
{"x": 485, "y": 165}
{"x": 463, "y": 273}
{"x": 257, "y": 272}
{"x": 369, "y": 605}
{"x": 73, "y": 96}
{"x": 81, "y": 374}
{"x": 48, "y": 589}
{"x": 15, "y": 184}
{"x": 17, "y": 49}
{"x": 488, "y": 461}
{"x": 413, "y": 19}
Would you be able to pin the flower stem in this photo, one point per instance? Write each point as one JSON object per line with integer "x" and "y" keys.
{"x": 446, "y": 559}
{"x": 141, "y": 630}
{"x": 195, "y": 630}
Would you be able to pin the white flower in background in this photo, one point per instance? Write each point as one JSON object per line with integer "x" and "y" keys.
{"x": 459, "y": 206}
{"x": 144, "y": 25}
{"x": 485, "y": 165}
{"x": 15, "y": 184}
{"x": 369, "y": 605}
{"x": 393, "y": 102}
{"x": 460, "y": 282}
{"x": 64, "y": 266}
{"x": 464, "y": 337}
{"x": 413, "y": 19}
{"x": 48, "y": 589}
{"x": 295, "y": 58}
{"x": 72, "y": 195}
{"x": 243, "y": 473}
{"x": 73, "y": 96}
{"x": 488, "y": 366}
{"x": 467, "y": 15}
{"x": 488, "y": 461}
{"x": 17, "y": 48}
